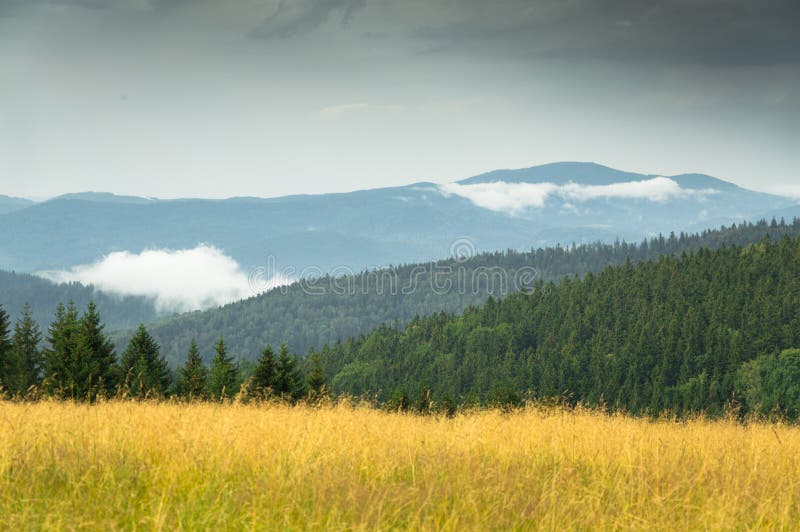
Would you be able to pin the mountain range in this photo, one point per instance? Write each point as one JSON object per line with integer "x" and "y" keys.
{"x": 558, "y": 203}
{"x": 11, "y": 204}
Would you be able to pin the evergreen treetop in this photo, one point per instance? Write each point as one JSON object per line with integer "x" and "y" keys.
{"x": 223, "y": 379}
{"x": 194, "y": 375}
{"x": 144, "y": 371}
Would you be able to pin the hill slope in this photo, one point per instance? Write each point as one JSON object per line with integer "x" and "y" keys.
{"x": 16, "y": 289}
{"x": 689, "y": 334}
{"x": 313, "y": 313}
{"x": 11, "y": 204}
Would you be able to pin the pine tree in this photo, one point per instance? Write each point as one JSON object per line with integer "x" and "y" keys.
{"x": 25, "y": 353}
{"x": 262, "y": 384}
{"x": 316, "y": 377}
{"x": 6, "y": 363}
{"x": 99, "y": 367}
{"x": 144, "y": 371}
{"x": 289, "y": 383}
{"x": 224, "y": 376}
{"x": 61, "y": 353}
{"x": 194, "y": 375}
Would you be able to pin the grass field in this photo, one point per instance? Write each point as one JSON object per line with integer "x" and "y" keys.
{"x": 200, "y": 466}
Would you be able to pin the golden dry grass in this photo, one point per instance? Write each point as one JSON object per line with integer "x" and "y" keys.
{"x": 171, "y": 466}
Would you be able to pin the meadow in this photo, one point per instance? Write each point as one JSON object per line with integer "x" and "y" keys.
{"x": 167, "y": 466}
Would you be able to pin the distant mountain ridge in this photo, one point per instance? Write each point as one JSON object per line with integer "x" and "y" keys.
{"x": 590, "y": 174}
{"x": 10, "y": 204}
{"x": 105, "y": 197}
{"x": 367, "y": 228}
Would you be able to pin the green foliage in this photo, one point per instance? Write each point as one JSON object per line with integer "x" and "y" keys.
{"x": 399, "y": 401}
{"x": 60, "y": 357}
{"x": 289, "y": 382}
{"x": 99, "y": 356}
{"x": 144, "y": 371}
{"x": 317, "y": 379}
{"x": 18, "y": 290}
{"x": 6, "y": 362}
{"x": 676, "y": 334}
{"x": 26, "y": 357}
{"x": 223, "y": 379}
{"x": 262, "y": 383}
{"x": 424, "y": 403}
{"x": 770, "y": 384}
{"x": 79, "y": 360}
{"x": 193, "y": 375}
{"x": 682, "y": 334}
{"x": 311, "y": 315}
{"x": 447, "y": 406}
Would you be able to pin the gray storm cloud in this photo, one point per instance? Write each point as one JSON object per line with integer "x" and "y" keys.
{"x": 294, "y": 17}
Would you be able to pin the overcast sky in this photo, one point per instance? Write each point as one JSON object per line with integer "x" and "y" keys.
{"x": 219, "y": 98}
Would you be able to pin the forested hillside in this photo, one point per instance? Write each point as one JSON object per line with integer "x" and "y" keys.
{"x": 310, "y": 314}
{"x": 699, "y": 332}
{"x": 17, "y": 289}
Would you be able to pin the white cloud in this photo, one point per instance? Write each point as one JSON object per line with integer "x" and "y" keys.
{"x": 177, "y": 280}
{"x": 502, "y": 196}
{"x": 516, "y": 197}
{"x": 784, "y": 189}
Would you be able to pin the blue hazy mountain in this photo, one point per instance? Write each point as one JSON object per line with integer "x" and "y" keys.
{"x": 589, "y": 174}
{"x": 10, "y": 204}
{"x": 368, "y": 228}
{"x": 105, "y": 197}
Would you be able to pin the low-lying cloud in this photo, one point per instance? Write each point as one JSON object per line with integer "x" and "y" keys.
{"x": 176, "y": 280}
{"x": 516, "y": 197}
{"x": 787, "y": 190}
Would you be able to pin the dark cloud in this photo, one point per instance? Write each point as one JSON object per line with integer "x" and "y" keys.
{"x": 14, "y": 7}
{"x": 331, "y": 88}
{"x": 680, "y": 31}
{"x": 706, "y": 32}
{"x": 295, "y": 17}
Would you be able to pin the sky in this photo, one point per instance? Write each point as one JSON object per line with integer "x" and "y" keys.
{"x": 220, "y": 98}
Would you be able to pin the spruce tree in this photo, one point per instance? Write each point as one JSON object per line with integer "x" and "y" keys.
{"x": 144, "y": 371}
{"x": 262, "y": 384}
{"x": 59, "y": 377}
{"x": 316, "y": 379}
{"x": 288, "y": 381}
{"x": 193, "y": 375}
{"x": 25, "y": 353}
{"x": 6, "y": 363}
{"x": 99, "y": 364}
{"x": 223, "y": 379}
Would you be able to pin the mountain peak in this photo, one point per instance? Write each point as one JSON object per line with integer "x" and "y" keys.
{"x": 559, "y": 173}
{"x": 589, "y": 173}
{"x": 103, "y": 197}
{"x": 11, "y": 204}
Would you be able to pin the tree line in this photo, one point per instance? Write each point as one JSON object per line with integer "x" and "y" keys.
{"x": 40, "y": 295}
{"x": 78, "y": 362}
{"x": 709, "y": 331}
{"x": 305, "y": 319}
